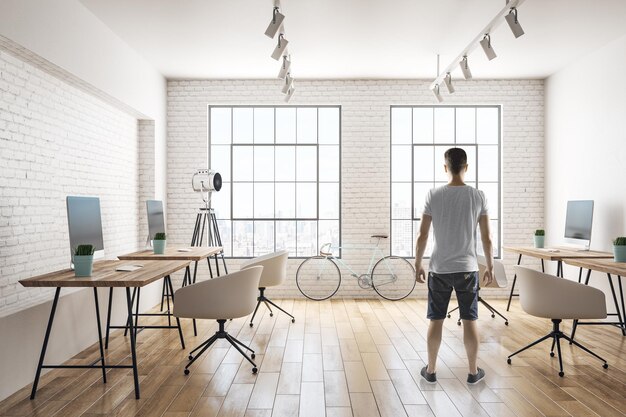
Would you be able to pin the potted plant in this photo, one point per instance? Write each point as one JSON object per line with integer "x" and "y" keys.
{"x": 158, "y": 243}
{"x": 540, "y": 236}
{"x": 619, "y": 249}
{"x": 83, "y": 260}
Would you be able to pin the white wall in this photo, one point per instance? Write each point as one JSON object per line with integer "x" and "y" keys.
{"x": 585, "y": 150}
{"x": 365, "y": 152}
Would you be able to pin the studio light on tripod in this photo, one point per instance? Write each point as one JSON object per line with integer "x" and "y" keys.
{"x": 206, "y": 181}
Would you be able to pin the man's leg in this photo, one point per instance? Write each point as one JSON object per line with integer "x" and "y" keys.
{"x": 435, "y": 329}
{"x": 470, "y": 339}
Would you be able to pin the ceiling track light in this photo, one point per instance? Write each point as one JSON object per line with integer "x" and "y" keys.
{"x": 481, "y": 39}
{"x": 511, "y": 19}
{"x": 284, "y": 68}
{"x": 448, "y": 83}
{"x": 290, "y": 94}
{"x": 467, "y": 74}
{"x": 486, "y": 44}
{"x": 437, "y": 93}
{"x": 277, "y": 20}
{"x": 280, "y": 47}
{"x": 288, "y": 83}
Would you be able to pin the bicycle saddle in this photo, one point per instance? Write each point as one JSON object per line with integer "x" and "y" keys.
{"x": 380, "y": 236}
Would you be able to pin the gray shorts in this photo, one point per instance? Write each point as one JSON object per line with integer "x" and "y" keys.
{"x": 440, "y": 287}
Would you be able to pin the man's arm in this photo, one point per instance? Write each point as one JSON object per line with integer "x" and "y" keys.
{"x": 420, "y": 247}
{"x": 485, "y": 235}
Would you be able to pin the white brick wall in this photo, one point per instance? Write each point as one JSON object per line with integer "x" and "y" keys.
{"x": 56, "y": 140}
{"x": 365, "y": 146}
{"x": 145, "y": 137}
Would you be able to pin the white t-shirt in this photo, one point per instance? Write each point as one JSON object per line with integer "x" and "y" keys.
{"x": 455, "y": 211}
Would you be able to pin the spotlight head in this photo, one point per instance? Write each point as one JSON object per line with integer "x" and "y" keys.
{"x": 277, "y": 20}
{"x": 284, "y": 68}
{"x": 467, "y": 74}
{"x": 448, "y": 82}
{"x": 437, "y": 93}
{"x": 280, "y": 47}
{"x": 486, "y": 44}
{"x": 290, "y": 93}
{"x": 206, "y": 181}
{"x": 288, "y": 83}
{"x": 511, "y": 19}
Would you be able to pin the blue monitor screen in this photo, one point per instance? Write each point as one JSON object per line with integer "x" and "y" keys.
{"x": 84, "y": 221}
{"x": 579, "y": 219}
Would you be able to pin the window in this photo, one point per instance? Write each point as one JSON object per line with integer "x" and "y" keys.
{"x": 280, "y": 168}
{"x": 419, "y": 137}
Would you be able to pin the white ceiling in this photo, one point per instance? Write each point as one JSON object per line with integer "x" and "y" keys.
{"x": 357, "y": 38}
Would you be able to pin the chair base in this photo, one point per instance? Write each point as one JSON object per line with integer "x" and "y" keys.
{"x": 263, "y": 299}
{"x": 221, "y": 334}
{"x": 556, "y": 335}
{"x": 489, "y": 307}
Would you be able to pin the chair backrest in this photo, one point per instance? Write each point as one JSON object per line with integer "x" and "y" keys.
{"x": 227, "y": 297}
{"x": 274, "y": 268}
{"x": 547, "y": 296}
{"x": 499, "y": 272}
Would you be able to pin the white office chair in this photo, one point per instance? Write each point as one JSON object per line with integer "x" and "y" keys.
{"x": 499, "y": 281}
{"x": 274, "y": 273}
{"x": 227, "y": 297}
{"x": 547, "y": 296}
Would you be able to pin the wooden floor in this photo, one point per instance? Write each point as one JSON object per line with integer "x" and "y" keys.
{"x": 342, "y": 358}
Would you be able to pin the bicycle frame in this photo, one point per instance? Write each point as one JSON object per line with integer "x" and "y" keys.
{"x": 377, "y": 254}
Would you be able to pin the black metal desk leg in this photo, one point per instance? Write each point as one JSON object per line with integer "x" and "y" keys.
{"x": 619, "y": 314}
{"x": 543, "y": 266}
{"x": 137, "y": 312}
{"x": 45, "y": 342}
{"x": 106, "y": 340}
{"x": 508, "y": 306}
{"x": 132, "y": 301}
{"x": 95, "y": 297}
{"x": 180, "y": 330}
{"x": 559, "y": 269}
{"x": 621, "y": 294}
{"x": 133, "y": 352}
{"x": 575, "y": 325}
{"x": 580, "y": 275}
{"x": 195, "y": 272}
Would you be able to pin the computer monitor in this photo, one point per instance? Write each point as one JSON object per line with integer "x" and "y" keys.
{"x": 578, "y": 223}
{"x": 156, "y": 221}
{"x": 85, "y": 223}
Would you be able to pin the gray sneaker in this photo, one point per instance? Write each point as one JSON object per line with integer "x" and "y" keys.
{"x": 476, "y": 378}
{"x": 430, "y": 378}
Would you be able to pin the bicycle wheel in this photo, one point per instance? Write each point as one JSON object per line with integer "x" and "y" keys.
{"x": 393, "y": 278}
{"x": 318, "y": 278}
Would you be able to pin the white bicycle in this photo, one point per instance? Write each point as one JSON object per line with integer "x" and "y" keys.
{"x": 392, "y": 277}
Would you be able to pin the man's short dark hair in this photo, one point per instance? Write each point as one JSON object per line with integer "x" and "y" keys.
{"x": 456, "y": 159}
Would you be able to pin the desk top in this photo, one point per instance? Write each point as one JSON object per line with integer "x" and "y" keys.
{"x": 563, "y": 253}
{"x": 172, "y": 254}
{"x": 105, "y": 275}
{"x": 608, "y": 266}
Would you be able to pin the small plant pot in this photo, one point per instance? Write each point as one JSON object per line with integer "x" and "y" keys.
{"x": 539, "y": 241}
{"x": 83, "y": 265}
{"x": 620, "y": 253}
{"x": 159, "y": 246}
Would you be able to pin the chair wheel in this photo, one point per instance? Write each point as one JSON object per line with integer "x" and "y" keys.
{"x": 449, "y": 316}
{"x": 271, "y": 314}
{"x": 506, "y": 323}
{"x": 186, "y": 371}
{"x": 253, "y": 356}
{"x": 293, "y": 320}
{"x": 552, "y": 354}
{"x": 254, "y": 370}
{"x": 605, "y": 366}
{"x": 561, "y": 373}
{"x": 190, "y": 357}
{"x": 458, "y": 323}
{"x": 508, "y": 360}
{"x": 493, "y": 316}
{"x": 251, "y": 324}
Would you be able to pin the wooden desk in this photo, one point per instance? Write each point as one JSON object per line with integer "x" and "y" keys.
{"x": 557, "y": 254}
{"x": 104, "y": 275}
{"x": 172, "y": 253}
{"x": 609, "y": 267}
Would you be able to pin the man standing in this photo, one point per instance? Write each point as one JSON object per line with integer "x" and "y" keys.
{"x": 454, "y": 210}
